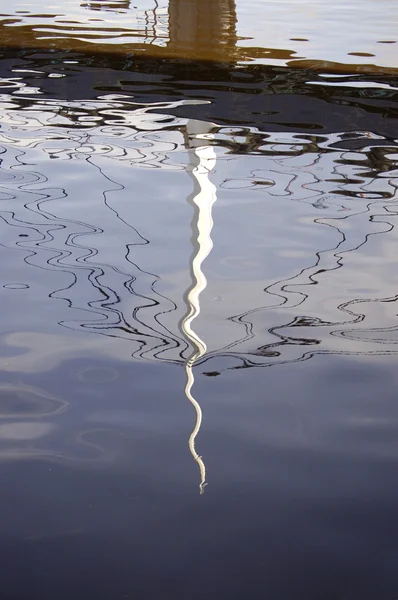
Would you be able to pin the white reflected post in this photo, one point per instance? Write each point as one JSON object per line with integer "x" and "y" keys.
{"x": 203, "y": 160}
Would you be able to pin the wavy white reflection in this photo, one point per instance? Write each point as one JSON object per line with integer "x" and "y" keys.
{"x": 203, "y": 200}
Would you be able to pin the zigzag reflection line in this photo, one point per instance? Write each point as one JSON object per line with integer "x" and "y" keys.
{"x": 202, "y": 225}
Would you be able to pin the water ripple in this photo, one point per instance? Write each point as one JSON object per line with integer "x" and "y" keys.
{"x": 322, "y": 209}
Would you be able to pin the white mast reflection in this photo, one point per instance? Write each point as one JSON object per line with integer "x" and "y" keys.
{"x": 202, "y": 199}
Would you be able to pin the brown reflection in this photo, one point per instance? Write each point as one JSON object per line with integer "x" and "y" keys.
{"x": 203, "y": 28}
{"x": 327, "y": 66}
{"x": 197, "y": 29}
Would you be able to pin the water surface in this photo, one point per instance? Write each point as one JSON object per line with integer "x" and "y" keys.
{"x": 199, "y": 330}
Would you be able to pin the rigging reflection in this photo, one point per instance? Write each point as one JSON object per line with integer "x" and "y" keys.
{"x": 104, "y": 255}
{"x": 350, "y": 184}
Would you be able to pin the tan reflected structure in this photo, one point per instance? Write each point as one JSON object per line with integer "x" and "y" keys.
{"x": 205, "y": 28}
{"x": 185, "y": 29}
{"x": 202, "y": 199}
{"x": 197, "y": 29}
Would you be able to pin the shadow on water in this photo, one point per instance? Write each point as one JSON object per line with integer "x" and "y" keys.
{"x": 175, "y": 218}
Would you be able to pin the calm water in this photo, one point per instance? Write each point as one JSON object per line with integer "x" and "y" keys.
{"x": 199, "y": 334}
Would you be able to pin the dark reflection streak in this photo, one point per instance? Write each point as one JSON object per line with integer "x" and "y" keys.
{"x": 129, "y": 286}
{"x": 283, "y": 284}
{"x": 94, "y": 274}
{"x": 304, "y": 296}
{"x": 357, "y": 317}
{"x": 55, "y": 260}
{"x": 287, "y": 292}
{"x": 117, "y": 188}
{"x": 24, "y": 246}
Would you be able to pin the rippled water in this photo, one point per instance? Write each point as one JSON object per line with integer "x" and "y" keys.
{"x": 190, "y": 194}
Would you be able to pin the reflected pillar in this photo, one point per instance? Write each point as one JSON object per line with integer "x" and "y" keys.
{"x": 203, "y": 28}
